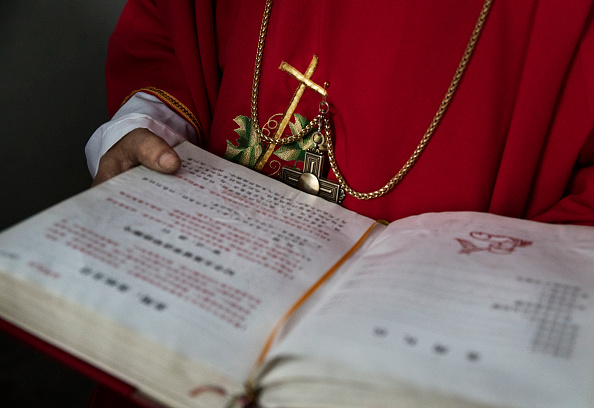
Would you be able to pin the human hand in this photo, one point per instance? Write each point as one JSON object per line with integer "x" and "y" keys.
{"x": 140, "y": 146}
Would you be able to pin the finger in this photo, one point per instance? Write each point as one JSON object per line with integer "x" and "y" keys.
{"x": 140, "y": 146}
{"x": 153, "y": 152}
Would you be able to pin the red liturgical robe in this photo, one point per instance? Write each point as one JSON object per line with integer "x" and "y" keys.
{"x": 517, "y": 138}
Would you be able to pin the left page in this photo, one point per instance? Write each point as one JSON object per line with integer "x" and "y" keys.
{"x": 203, "y": 262}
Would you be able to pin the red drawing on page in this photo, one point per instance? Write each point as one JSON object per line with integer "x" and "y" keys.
{"x": 206, "y": 389}
{"x": 496, "y": 244}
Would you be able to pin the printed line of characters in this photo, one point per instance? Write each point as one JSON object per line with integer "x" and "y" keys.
{"x": 437, "y": 348}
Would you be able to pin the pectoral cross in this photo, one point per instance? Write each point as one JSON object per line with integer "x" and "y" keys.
{"x": 310, "y": 180}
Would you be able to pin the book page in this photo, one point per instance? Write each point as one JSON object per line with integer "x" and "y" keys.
{"x": 488, "y": 308}
{"x": 203, "y": 262}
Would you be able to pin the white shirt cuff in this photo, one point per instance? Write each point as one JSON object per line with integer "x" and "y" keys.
{"x": 140, "y": 111}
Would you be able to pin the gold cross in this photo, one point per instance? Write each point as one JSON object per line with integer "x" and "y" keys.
{"x": 304, "y": 82}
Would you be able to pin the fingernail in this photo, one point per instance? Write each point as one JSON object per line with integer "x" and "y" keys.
{"x": 167, "y": 160}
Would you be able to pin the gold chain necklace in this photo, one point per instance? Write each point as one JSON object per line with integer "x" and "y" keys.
{"x": 331, "y": 157}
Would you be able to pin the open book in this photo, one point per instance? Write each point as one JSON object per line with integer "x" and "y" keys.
{"x": 217, "y": 285}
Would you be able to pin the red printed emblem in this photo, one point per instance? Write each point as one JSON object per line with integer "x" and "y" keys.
{"x": 496, "y": 244}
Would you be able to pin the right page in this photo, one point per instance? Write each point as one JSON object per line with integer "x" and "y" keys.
{"x": 492, "y": 310}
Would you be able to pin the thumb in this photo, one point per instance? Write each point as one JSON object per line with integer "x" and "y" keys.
{"x": 140, "y": 146}
{"x": 152, "y": 151}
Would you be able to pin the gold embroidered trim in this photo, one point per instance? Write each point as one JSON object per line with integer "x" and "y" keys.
{"x": 176, "y": 105}
{"x": 304, "y": 82}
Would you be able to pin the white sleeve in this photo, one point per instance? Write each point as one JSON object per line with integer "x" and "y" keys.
{"x": 140, "y": 111}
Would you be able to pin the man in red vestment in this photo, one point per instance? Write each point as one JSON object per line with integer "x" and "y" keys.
{"x": 516, "y": 138}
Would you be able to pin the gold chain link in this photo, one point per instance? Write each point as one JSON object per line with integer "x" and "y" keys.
{"x": 331, "y": 157}
{"x": 256, "y": 87}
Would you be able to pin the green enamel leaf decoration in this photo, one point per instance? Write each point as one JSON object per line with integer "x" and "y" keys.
{"x": 248, "y": 148}
{"x": 296, "y": 150}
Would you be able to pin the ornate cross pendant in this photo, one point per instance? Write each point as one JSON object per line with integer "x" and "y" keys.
{"x": 309, "y": 179}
